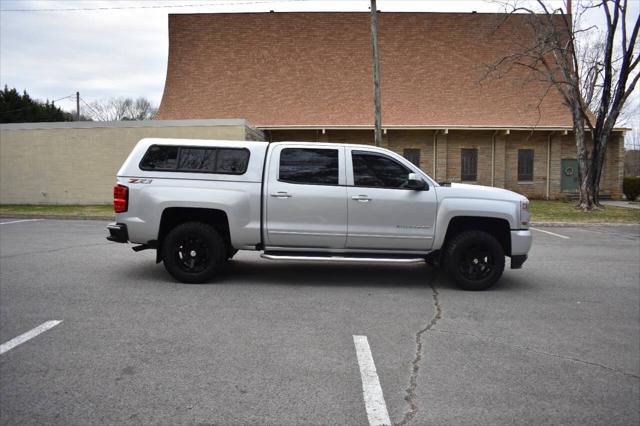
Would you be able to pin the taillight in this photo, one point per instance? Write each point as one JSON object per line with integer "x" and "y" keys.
{"x": 120, "y": 198}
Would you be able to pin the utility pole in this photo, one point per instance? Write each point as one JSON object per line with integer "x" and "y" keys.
{"x": 376, "y": 75}
{"x": 77, "y": 106}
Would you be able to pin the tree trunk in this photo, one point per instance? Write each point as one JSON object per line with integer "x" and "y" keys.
{"x": 587, "y": 194}
{"x": 600, "y": 140}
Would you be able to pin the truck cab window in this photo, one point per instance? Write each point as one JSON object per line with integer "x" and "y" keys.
{"x": 377, "y": 171}
{"x": 311, "y": 166}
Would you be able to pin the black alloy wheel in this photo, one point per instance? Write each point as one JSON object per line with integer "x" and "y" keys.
{"x": 193, "y": 252}
{"x": 477, "y": 263}
{"x": 474, "y": 259}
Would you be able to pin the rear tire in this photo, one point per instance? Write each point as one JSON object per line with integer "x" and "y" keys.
{"x": 193, "y": 252}
{"x": 475, "y": 260}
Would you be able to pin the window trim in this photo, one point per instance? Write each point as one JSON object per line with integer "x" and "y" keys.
{"x": 533, "y": 156}
{"x": 337, "y": 149}
{"x": 379, "y": 154}
{"x": 476, "y": 155}
{"x": 417, "y": 151}
{"x": 180, "y": 147}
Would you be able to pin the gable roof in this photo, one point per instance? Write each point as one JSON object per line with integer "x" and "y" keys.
{"x": 315, "y": 69}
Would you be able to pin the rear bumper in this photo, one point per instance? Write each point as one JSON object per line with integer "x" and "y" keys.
{"x": 118, "y": 233}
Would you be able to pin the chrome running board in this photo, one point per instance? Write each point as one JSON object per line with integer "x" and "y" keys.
{"x": 334, "y": 258}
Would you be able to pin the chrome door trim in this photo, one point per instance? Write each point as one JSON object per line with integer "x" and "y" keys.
{"x": 409, "y": 237}
{"x": 321, "y": 234}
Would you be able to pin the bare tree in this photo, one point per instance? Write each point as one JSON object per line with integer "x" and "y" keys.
{"x": 595, "y": 75}
{"x": 120, "y": 109}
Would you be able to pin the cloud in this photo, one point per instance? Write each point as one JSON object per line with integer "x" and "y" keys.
{"x": 122, "y": 52}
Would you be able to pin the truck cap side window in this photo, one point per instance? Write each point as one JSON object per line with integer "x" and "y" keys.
{"x": 197, "y": 159}
{"x": 232, "y": 161}
{"x": 377, "y": 171}
{"x": 160, "y": 158}
{"x": 314, "y": 166}
{"x": 192, "y": 159}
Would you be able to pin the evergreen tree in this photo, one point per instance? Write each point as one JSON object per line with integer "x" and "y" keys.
{"x": 17, "y": 108}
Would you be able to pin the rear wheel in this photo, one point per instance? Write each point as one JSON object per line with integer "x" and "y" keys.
{"x": 475, "y": 260}
{"x": 193, "y": 252}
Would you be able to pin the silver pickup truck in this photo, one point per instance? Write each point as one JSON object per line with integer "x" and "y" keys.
{"x": 197, "y": 202}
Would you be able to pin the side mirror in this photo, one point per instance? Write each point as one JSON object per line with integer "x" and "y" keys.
{"x": 416, "y": 183}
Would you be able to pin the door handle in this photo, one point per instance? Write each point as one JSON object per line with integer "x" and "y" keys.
{"x": 280, "y": 194}
{"x": 361, "y": 198}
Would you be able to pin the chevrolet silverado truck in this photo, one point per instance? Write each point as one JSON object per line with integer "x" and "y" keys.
{"x": 197, "y": 202}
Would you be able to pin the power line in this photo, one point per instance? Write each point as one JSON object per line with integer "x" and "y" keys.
{"x": 29, "y": 107}
{"x": 56, "y": 100}
{"x": 98, "y": 114}
{"x": 168, "y": 6}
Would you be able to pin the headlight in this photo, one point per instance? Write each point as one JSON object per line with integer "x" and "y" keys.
{"x": 524, "y": 213}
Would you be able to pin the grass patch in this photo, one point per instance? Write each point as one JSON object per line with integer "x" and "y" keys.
{"x": 98, "y": 211}
{"x": 561, "y": 211}
{"x": 541, "y": 211}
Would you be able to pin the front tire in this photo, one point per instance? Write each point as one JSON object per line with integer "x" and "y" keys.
{"x": 193, "y": 252}
{"x": 475, "y": 260}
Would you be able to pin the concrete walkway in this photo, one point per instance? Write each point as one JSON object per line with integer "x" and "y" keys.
{"x": 627, "y": 204}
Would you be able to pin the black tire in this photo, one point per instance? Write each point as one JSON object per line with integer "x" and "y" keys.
{"x": 475, "y": 260}
{"x": 193, "y": 252}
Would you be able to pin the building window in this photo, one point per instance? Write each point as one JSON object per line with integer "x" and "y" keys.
{"x": 525, "y": 165}
{"x": 413, "y": 155}
{"x": 311, "y": 166}
{"x": 469, "y": 165}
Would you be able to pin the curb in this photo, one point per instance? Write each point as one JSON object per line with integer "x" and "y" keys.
{"x": 578, "y": 224}
{"x": 53, "y": 216}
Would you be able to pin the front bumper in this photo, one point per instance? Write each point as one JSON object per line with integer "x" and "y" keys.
{"x": 118, "y": 233}
{"x": 520, "y": 246}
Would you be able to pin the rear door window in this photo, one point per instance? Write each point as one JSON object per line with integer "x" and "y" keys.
{"x": 311, "y": 166}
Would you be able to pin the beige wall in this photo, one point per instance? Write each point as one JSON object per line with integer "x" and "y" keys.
{"x": 62, "y": 164}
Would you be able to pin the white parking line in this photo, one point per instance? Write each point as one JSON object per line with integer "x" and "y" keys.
{"x": 551, "y": 233}
{"x": 27, "y": 336}
{"x": 371, "y": 390}
{"x": 20, "y": 221}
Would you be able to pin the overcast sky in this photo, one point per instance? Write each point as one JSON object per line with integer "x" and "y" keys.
{"x": 119, "y": 48}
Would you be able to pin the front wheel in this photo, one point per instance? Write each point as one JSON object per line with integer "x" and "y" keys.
{"x": 193, "y": 252}
{"x": 475, "y": 260}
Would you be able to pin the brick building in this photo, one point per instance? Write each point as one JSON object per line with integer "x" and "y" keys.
{"x": 308, "y": 77}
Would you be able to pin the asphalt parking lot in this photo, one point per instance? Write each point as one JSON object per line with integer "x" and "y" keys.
{"x": 557, "y": 342}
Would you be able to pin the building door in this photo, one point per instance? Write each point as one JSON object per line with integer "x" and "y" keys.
{"x": 569, "y": 176}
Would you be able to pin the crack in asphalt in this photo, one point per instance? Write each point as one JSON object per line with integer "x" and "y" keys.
{"x": 539, "y": 352}
{"x": 413, "y": 379}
